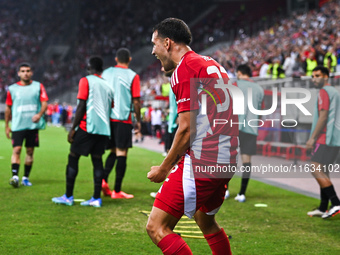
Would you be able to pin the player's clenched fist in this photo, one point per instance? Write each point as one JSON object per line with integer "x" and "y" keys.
{"x": 157, "y": 174}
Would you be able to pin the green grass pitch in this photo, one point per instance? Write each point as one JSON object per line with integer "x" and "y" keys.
{"x": 31, "y": 224}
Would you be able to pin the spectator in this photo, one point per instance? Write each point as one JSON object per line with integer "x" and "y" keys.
{"x": 156, "y": 122}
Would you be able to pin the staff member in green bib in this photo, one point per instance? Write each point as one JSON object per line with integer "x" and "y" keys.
{"x": 310, "y": 63}
{"x": 330, "y": 61}
{"x": 325, "y": 141}
{"x": 247, "y": 134}
{"x": 92, "y": 125}
{"x": 26, "y": 103}
{"x": 126, "y": 87}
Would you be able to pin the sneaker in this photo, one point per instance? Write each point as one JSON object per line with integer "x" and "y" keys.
{"x": 153, "y": 194}
{"x": 240, "y": 198}
{"x": 226, "y": 194}
{"x": 92, "y": 202}
{"x": 63, "y": 200}
{"x": 105, "y": 188}
{"x": 25, "y": 181}
{"x": 120, "y": 195}
{"x": 14, "y": 181}
{"x": 332, "y": 212}
{"x": 316, "y": 213}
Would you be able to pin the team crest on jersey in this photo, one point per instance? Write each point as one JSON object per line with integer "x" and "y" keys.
{"x": 213, "y": 93}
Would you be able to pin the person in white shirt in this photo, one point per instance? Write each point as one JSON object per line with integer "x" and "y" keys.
{"x": 264, "y": 69}
{"x": 289, "y": 64}
{"x": 156, "y": 122}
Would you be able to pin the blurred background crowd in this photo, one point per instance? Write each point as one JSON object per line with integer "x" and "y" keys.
{"x": 283, "y": 38}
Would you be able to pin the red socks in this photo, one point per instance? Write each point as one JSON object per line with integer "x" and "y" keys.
{"x": 219, "y": 243}
{"x": 173, "y": 244}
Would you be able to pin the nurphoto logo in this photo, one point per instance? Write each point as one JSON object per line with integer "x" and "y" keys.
{"x": 238, "y": 102}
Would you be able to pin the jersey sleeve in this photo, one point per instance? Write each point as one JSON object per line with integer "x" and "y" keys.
{"x": 43, "y": 94}
{"x": 323, "y": 100}
{"x": 180, "y": 84}
{"x": 83, "y": 91}
{"x": 135, "y": 87}
{"x": 182, "y": 92}
{"x": 9, "y": 101}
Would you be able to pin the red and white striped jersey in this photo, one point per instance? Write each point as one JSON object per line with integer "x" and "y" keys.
{"x": 196, "y": 82}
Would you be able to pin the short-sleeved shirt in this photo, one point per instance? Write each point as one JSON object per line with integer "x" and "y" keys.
{"x": 323, "y": 104}
{"x": 83, "y": 94}
{"x": 213, "y": 143}
{"x": 135, "y": 92}
{"x": 43, "y": 94}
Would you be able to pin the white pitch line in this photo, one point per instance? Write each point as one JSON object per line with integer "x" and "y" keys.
{"x": 79, "y": 200}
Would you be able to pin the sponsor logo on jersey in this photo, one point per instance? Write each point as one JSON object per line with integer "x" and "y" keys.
{"x": 183, "y": 100}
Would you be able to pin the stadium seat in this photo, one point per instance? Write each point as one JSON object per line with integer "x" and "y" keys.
{"x": 261, "y": 147}
{"x": 288, "y": 150}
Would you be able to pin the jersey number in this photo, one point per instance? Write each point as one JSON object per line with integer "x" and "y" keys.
{"x": 221, "y": 107}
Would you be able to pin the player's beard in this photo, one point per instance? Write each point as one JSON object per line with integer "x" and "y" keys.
{"x": 26, "y": 80}
{"x": 319, "y": 84}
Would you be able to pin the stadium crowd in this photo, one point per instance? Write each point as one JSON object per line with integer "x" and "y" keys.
{"x": 288, "y": 42}
{"x": 24, "y": 37}
{"x": 96, "y": 35}
{"x": 23, "y": 34}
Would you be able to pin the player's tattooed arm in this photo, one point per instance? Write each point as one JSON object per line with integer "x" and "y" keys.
{"x": 176, "y": 160}
{"x": 180, "y": 144}
{"x": 184, "y": 134}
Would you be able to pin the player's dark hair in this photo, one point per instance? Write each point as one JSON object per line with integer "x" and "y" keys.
{"x": 244, "y": 69}
{"x": 123, "y": 55}
{"x": 96, "y": 63}
{"x": 175, "y": 29}
{"x": 324, "y": 70}
{"x": 23, "y": 64}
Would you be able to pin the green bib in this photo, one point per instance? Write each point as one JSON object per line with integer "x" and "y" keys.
{"x": 311, "y": 64}
{"x": 120, "y": 80}
{"x": 333, "y": 120}
{"x": 98, "y": 106}
{"x": 172, "y": 125}
{"x": 26, "y": 103}
{"x": 257, "y": 96}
